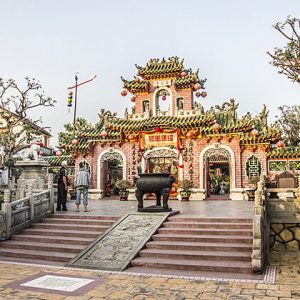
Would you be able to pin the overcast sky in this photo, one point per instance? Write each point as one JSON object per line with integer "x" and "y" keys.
{"x": 226, "y": 40}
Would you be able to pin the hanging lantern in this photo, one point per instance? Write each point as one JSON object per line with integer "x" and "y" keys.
{"x": 124, "y": 93}
{"x": 183, "y": 74}
{"x": 197, "y": 86}
{"x": 217, "y": 127}
{"x": 74, "y": 141}
{"x": 203, "y": 94}
{"x": 280, "y": 144}
{"x": 190, "y": 134}
{"x": 133, "y": 98}
{"x": 41, "y": 153}
{"x": 70, "y": 99}
{"x": 158, "y": 129}
{"x": 163, "y": 97}
{"x": 58, "y": 153}
{"x": 103, "y": 133}
{"x": 254, "y": 132}
{"x": 198, "y": 94}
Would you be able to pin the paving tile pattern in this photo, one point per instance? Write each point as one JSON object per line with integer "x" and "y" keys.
{"x": 122, "y": 286}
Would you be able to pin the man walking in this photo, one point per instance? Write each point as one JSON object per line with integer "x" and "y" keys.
{"x": 62, "y": 186}
{"x": 82, "y": 181}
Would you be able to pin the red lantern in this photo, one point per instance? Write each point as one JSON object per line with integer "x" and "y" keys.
{"x": 254, "y": 132}
{"x": 280, "y": 144}
{"x": 103, "y": 133}
{"x": 41, "y": 153}
{"x": 203, "y": 94}
{"x": 158, "y": 129}
{"x": 183, "y": 74}
{"x": 190, "y": 134}
{"x": 74, "y": 141}
{"x": 58, "y": 153}
{"x": 164, "y": 97}
{"x": 197, "y": 86}
{"x": 124, "y": 93}
{"x": 198, "y": 94}
{"x": 217, "y": 127}
{"x": 132, "y": 99}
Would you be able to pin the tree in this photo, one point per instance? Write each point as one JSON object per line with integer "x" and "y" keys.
{"x": 287, "y": 58}
{"x": 66, "y": 137}
{"x": 289, "y": 120}
{"x": 16, "y": 104}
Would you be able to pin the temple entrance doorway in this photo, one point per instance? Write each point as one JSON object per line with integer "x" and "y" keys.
{"x": 218, "y": 181}
{"x": 162, "y": 161}
{"x": 217, "y": 174}
{"x": 111, "y": 172}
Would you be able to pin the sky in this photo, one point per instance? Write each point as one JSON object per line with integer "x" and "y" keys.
{"x": 226, "y": 40}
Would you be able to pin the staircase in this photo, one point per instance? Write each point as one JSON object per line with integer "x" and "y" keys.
{"x": 198, "y": 247}
{"x": 55, "y": 240}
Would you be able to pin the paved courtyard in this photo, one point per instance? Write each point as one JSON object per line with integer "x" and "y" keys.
{"x": 123, "y": 286}
{"x": 211, "y": 208}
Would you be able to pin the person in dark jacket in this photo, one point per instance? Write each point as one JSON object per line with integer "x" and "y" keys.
{"x": 81, "y": 183}
{"x": 62, "y": 187}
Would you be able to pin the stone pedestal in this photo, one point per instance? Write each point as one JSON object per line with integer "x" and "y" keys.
{"x": 33, "y": 175}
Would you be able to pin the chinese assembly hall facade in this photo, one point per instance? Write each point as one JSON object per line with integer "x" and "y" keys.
{"x": 168, "y": 130}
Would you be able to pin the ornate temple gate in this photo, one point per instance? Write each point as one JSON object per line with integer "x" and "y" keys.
{"x": 217, "y": 171}
{"x": 111, "y": 169}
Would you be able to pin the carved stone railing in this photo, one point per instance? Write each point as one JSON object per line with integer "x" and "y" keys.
{"x": 260, "y": 248}
{"x": 16, "y": 215}
{"x": 20, "y": 214}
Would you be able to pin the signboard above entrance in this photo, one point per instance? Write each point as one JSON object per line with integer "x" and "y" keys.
{"x": 159, "y": 138}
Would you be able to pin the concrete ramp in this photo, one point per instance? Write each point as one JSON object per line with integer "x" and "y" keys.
{"x": 115, "y": 249}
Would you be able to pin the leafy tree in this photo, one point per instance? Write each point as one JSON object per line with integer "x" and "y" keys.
{"x": 66, "y": 137}
{"x": 16, "y": 103}
{"x": 289, "y": 121}
{"x": 287, "y": 58}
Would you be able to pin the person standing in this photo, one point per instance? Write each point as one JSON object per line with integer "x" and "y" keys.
{"x": 62, "y": 186}
{"x": 82, "y": 181}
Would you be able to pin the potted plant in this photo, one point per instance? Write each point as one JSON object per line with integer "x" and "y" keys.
{"x": 185, "y": 189}
{"x": 123, "y": 186}
{"x": 251, "y": 192}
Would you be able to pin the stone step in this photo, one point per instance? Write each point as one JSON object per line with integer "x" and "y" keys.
{"x": 53, "y": 247}
{"x": 79, "y": 240}
{"x": 57, "y": 226}
{"x": 205, "y": 231}
{"x": 216, "y": 275}
{"x": 209, "y": 220}
{"x": 78, "y": 221}
{"x": 32, "y": 261}
{"x": 199, "y": 246}
{"x": 202, "y": 238}
{"x": 62, "y": 233}
{"x": 196, "y": 255}
{"x": 64, "y": 215}
{"x": 208, "y": 225}
{"x": 195, "y": 265}
{"x": 40, "y": 255}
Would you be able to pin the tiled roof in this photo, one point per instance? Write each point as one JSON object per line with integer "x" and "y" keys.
{"x": 159, "y": 69}
{"x": 286, "y": 152}
{"x": 57, "y": 160}
{"x": 135, "y": 87}
{"x": 272, "y": 135}
{"x": 129, "y": 126}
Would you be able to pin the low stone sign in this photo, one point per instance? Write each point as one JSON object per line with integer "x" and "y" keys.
{"x": 117, "y": 247}
{"x": 286, "y": 180}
